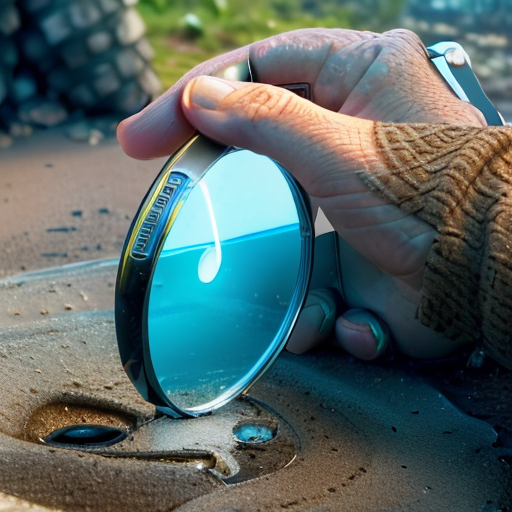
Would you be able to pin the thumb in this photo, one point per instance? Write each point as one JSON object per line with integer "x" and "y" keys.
{"x": 312, "y": 142}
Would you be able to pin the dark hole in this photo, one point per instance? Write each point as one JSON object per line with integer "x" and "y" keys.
{"x": 86, "y": 435}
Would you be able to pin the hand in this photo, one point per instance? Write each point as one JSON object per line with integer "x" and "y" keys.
{"x": 355, "y": 77}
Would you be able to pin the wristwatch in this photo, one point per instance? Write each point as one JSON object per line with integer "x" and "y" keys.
{"x": 454, "y": 65}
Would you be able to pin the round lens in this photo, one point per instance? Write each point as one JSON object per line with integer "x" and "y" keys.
{"x": 223, "y": 294}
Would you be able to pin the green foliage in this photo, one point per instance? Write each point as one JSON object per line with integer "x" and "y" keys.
{"x": 186, "y": 32}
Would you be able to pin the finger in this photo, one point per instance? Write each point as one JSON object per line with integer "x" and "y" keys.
{"x": 311, "y": 56}
{"x": 315, "y": 323}
{"x": 325, "y": 151}
{"x": 275, "y": 122}
{"x": 362, "y": 334}
{"x": 161, "y": 128}
{"x": 292, "y": 57}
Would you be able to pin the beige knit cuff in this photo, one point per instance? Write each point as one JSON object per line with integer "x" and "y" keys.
{"x": 459, "y": 180}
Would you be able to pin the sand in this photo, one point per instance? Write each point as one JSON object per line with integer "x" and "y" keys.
{"x": 351, "y": 435}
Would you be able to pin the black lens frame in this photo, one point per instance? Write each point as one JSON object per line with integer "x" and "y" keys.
{"x": 141, "y": 251}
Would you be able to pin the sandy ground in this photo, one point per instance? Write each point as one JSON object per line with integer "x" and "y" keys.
{"x": 63, "y": 201}
{"x": 366, "y": 437}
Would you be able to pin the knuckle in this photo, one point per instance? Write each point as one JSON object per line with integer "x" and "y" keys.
{"x": 261, "y": 103}
{"x": 405, "y": 40}
{"x": 404, "y": 35}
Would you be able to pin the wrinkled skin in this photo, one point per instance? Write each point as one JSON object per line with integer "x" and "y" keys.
{"x": 356, "y": 78}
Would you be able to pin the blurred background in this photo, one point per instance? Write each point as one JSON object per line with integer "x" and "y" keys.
{"x": 62, "y": 61}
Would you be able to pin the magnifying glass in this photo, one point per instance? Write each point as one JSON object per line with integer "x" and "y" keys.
{"x": 214, "y": 272}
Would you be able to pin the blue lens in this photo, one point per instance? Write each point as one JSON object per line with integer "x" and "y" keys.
{"x": 223, "y": 286}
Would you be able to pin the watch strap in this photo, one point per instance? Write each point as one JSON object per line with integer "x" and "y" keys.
{"x": 454, "y": 65}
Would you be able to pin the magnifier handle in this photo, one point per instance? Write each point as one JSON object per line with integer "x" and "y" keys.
{"x": 244, "y": 72}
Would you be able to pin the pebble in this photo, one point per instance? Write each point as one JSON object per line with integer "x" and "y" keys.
{"x": 131, "y": 28}
{"x": 79, "y": 131}
{"x": 9, "y": 19}
{"x": 95, "y": 137}
{"x": 43, "y": 112}
{"x": 85, "y": 131}
{"x": 20, "y": 130}
{"x": 5, "y": 140}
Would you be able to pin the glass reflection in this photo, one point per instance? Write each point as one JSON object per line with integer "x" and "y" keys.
{"x": 223, "y": 283}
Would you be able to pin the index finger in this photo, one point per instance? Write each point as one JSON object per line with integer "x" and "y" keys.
{"x": 161, "y": 128}
{"x": 298, "y": 56}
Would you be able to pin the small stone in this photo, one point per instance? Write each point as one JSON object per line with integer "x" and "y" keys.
{"x": 5, "y": 140}
{"x": 131, "y": 28}
{"x": 109, "y": 6}
{"x": 43, "y": 112}
{"x": 33, "y": 45}
{"x": 497, "y": 63}
{"x": 130, "y": 99}
{"x": 492, "y": 41}
{"x": 129, "y": 63}
{"x": 20, "y": 130}
{"x": 60, "y": 79}
{"x": 99, "y": 42}
{"x": 9, "y": 19}
{"x": 477, "y": 358}
{"x": 3, "y": 87}
{"x": 75, "y": 54}
{"x": 56, "y": 28}
{"x": 44, "y": 312}
{"x": 24, "y": 86}
{"x": 444, "y": 29}
{"x": 95, "y": 137}
{"x": 82, "y": 96}
{"x": 8, "y": 52}
{"x": 145, "y": 49}
{"x": 482, "y": 70}
{"x": 68, "y": 307}
{"x": 107, "y": 81}
{"x": 36, "y": 5}
{"x": 150, "y": 82}
{"x": 107, "y": 124}
{"x": 83, "y": 14}
{"x": 79, "y": 131}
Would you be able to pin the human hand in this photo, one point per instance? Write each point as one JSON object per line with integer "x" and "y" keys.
{"x": 352, "y": 75}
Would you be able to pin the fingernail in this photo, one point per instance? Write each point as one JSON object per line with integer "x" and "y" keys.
{"x": 360, "y": 319}
{"x": 207, "y": 92}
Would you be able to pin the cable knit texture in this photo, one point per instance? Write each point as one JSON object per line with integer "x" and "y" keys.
{"x": 459, "y": 180}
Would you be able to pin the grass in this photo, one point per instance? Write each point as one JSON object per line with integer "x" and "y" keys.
{"x": 185, "y": 33}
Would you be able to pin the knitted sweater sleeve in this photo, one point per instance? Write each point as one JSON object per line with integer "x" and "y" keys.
{"x": 459, "y": 180}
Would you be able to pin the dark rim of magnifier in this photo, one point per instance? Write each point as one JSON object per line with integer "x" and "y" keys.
{"x": 140, "y": 254}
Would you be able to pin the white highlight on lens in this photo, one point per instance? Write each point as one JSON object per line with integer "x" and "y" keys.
{"x": 209, "y": 264}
